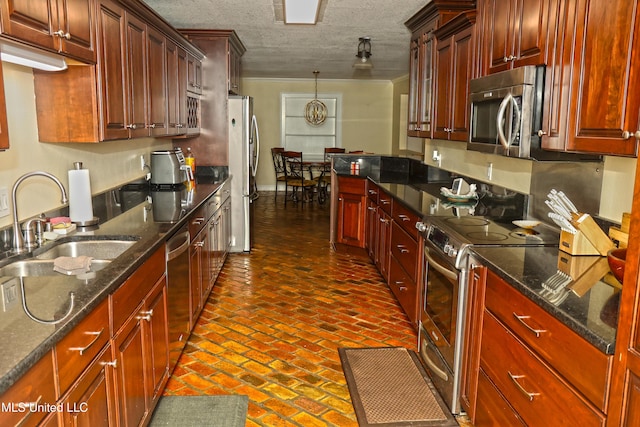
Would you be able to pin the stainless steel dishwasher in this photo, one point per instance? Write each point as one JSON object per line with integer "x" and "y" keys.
{"x": 177, "y": 250}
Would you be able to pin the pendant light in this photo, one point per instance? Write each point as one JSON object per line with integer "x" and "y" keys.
{"x": 363, "y": 57}
{"x": 315, "y": 112}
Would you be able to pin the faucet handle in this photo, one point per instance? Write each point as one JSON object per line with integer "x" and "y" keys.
{"x": 33, "y": 238}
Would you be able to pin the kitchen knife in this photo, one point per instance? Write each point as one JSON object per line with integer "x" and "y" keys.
{"x": 567, "y": 202}
{"x": 563, "y": 222}
{"x": 558, "y": 207}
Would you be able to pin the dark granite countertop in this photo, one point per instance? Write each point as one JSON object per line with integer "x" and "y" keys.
{"x": 129, "y": 216}
{"x": 593, "y": 315}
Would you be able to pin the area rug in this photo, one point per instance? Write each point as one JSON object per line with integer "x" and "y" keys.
{"x": 201, "y": 411}
{"x": 389, "y": 387}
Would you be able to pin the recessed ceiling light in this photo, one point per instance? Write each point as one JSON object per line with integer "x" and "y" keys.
{"x": 301, "y": 11}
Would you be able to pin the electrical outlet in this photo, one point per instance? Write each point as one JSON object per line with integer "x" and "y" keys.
{"x": 9, "y": 293}
{"x": 143, "y": 163}
{"x": 436, "y": 157}
{"x": 4, "y": 202}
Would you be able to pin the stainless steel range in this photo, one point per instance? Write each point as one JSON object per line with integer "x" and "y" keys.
{"x": 443, "y": 298}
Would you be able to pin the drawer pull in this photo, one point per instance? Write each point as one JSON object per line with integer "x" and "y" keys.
{"x": 145, "y": 315}
{"x": 515, "y": 379}
{"x": 403, "y": 249}
{"x": 81, "y": 350}
{"x": 30, "y": 412}
{"x": 113, "y": 364}
{"x": 404, "y": 217}
{"x": 385, "y": 201}
{"x": 521, "y": 319}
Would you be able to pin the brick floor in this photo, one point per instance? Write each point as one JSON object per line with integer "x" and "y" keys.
{"x": 273, "y": 323}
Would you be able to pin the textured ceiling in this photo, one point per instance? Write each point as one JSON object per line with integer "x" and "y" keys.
{"x": 275, "y": 50}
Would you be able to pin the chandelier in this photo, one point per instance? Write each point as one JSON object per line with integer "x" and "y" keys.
{"x": 315, "y": 112}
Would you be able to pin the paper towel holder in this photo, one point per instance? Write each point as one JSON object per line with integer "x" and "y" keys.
{"x": 89, "y": 224}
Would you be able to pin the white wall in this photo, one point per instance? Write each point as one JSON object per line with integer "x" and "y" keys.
{"x": 367, "y": 115}
{"x": 110, "y": 163}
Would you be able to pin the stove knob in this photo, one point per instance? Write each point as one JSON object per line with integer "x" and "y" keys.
{"x": 453, "y": 252}
{"x": 421, "y": 226}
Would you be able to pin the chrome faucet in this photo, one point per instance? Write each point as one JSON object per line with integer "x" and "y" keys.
{"x": 18, "y": 240}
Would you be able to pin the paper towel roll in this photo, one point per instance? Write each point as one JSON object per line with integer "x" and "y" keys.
{"x": 80, "y": 206}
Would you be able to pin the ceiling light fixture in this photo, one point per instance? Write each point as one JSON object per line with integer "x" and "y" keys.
{"x": 301, "y": 11}
{"x": 363, "y": 57}
{"x": 31, "y": 57}
{"x": 315, "y": 112}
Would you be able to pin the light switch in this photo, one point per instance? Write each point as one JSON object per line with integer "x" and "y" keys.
{"x": 4, "y": 202}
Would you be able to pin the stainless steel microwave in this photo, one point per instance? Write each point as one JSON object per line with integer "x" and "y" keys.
{"x": 506, "y": 112}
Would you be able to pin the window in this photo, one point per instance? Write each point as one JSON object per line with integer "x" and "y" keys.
{"x": 298, "y": 135}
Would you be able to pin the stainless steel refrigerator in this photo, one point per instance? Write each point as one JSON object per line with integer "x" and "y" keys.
{"x": 244, "y": 149}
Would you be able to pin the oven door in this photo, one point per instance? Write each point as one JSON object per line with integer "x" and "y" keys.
{"x": 437, "y": 343}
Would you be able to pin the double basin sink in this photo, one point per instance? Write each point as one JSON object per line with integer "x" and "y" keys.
{"x": 103, "y": 251}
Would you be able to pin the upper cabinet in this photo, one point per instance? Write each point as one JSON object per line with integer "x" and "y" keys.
{"x": 194, "y": 74}
{"x": 592, "y": 85}
{"x": 4, "y": 132}
{"x": 137, "y": 89}
{"x": 426, "y": 60}
{"x": 64, "y": 26}
{"x": 516, "y": 32}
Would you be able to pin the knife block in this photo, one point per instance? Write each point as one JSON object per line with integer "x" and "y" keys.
{"x": 576, "y": 244}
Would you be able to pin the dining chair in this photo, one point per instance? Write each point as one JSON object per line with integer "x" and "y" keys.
{"x": 295, "y": 178}
{"x": 279, "y": 168}
{"x": 324, "y": 180}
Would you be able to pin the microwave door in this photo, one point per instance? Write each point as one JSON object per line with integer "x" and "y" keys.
{"x": 508, "y": 118}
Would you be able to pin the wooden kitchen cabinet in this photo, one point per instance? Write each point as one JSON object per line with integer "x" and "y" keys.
{"x": 522, "y": 362}
{"x": 37, "y": 386}
{"x": 140, "y": 342}
{"x": 591, "y": 85}
{"x": 198, "y": 271}
{"x": 158, "y": 83}
{"x": 194, "y": 74}
{"x": 422, "y": 71}
{"x": 455, "y": 63}
{"x": 351, "y": 211}
{"x": 56, "y": 25}
{"x": 516, "y": 32}
{"x": 4, "y": 130}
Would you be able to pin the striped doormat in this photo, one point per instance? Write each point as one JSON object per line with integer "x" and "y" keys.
{"x": 389, "y": 387}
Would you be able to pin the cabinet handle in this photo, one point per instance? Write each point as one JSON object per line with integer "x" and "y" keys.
{"x": 132, "y": 126}
{"x": 29, "y": 413}
{"x": 385, "y": 201}
{"x": 81, "y": 350}
{"x": 384, "y": 221}
{"x": 200, "y": 244}
{"x": 373, "y": 192}
{"x": 198, "y": 221}
{"x": 626, "y": 134}
{"x": 152, "y": 126}
{"x": 509, "y": 58}
{"x": 515, "y": 379}
{"x": 145, "y": 315}
{"x": 62, "y": 34}
{"x": 371, "y": 208}
{"x": 521, "y": 319}
{"x": 403, "y": 249}
{"x": 637, "y": 134}
{"x": 541, "y": 133}
{"x": 404, "y": 218}
{"x": 113, "y": 364}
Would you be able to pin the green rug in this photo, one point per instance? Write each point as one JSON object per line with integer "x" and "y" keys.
{"x": 201, "y": 411}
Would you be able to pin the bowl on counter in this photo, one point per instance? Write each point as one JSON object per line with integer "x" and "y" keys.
{"x": 617, "y": 259}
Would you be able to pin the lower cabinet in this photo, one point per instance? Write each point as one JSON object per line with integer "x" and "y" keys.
{"x": 351, "y": 211}
{"x": 522, "y": 362}
{"x": 198, "y": 262}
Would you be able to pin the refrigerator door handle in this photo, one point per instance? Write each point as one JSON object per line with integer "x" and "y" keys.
{"x": 254, "y": 125}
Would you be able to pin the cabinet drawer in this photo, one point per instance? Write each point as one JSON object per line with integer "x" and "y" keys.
{"x": 81, "y": 345}
{"x": 407, "y": 219}
{"x": 404, "y": 289}
{"x": 352, "y": 185}
{"x": 129, "y": 296}
{"x": 537, "y": 394}
{"x": 405, "y": 249}
{"x": 574, "y": 358}
{"x": 37, "y": 386}
{"x": 493, "y": 409}
{"x": 197, "y": 220}
{"x": 385, "y": 201}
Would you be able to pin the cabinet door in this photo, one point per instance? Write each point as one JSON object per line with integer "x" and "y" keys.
{"x": 372, "y": 230}
{"x": 157, "y": 83}
{"x": 136, "y": 33}
{"x": 194, "y": 74}
{"x": 113, "y": 93}
{"x": 129, "y": 354}
{"x": 75, "y": 28}
{"x": 93, "y": 396}
{"x": 532, "y": 29}
{"x": 444, "y": 67}
{"x": 414, "y": 87}
{"x": 499, "y": 24}
{"x": 181, "y": 88}
{"x": 384, "y": 243}
{"x": 197, "y": 272}
{"x": 605, "y": 106}
{"x": 30, "y": 21}
{"x": 463, "y": 71}
{"x": 171, "y": 58}
{"x": 157, "y": 338}
{"x": 351, "y": 229}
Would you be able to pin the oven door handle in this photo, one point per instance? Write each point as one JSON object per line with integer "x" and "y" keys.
{"x": 449, "y": 274}
{"x": 436, "y": 370}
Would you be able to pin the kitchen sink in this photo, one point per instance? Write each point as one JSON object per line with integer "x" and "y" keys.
{"x": 39, "y": 267}
{"x": 97, "y": 249}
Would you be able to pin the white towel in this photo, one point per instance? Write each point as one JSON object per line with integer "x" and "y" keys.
{"x": 72, "y": 265}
